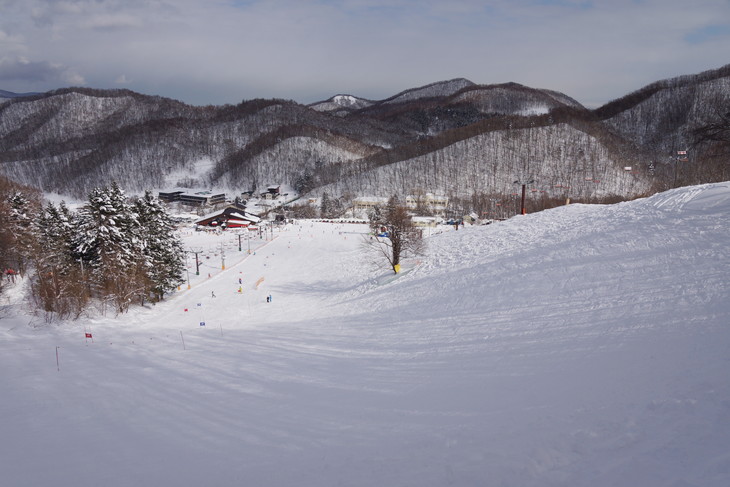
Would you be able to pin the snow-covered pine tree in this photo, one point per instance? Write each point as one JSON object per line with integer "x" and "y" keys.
{"x": 21, "y": 232}
{"x": 375, "y": 215}
{"x": 163, "y": 250}
{"x": 55, "y": 233}
{"x": 324, "y": 208}
{"x": 57, "y": 286}
{"x": 109, "y": 244}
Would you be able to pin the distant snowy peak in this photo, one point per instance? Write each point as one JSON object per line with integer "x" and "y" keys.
{"x": 508, "y": 98}
{"x": 341, "y": 103}
{"x": 344, "y": 104}
{"x": 346, "y": 100}
{"x": 433, "y": 90}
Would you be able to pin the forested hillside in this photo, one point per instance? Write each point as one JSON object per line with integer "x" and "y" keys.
{"x": 455, "y": 138}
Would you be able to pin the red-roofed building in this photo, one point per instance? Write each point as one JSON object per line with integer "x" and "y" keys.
{"x": 229, "y": 217}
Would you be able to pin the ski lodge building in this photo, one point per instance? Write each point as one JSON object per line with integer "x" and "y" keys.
{"x": 229, "y": 217}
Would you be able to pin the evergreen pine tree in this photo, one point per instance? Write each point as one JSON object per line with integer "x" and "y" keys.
{"x": 21, "y": 232}
{"x": 58, "y": 286}
{"x": 109, "y": 245}
{"x": 324, "y": 208}
{"x": 163, "y": 251}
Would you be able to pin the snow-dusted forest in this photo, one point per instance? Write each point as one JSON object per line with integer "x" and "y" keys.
{"x": 454, "y": 138}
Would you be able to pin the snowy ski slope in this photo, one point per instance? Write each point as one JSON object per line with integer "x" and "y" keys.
{"x": 584, "y": 345}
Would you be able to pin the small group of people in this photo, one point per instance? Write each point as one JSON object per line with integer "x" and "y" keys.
{"x": 269, "y": 298}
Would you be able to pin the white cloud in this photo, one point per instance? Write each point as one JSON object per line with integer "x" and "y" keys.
{"x": 122, "y": 80}
{"x": 72, "y": 78}
{"x": 11, "y": 43}
{"x": 23, "y": 70}
{"x": 225, "y": 51}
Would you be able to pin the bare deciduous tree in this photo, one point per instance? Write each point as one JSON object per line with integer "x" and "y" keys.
{"x": 395, "y": 233}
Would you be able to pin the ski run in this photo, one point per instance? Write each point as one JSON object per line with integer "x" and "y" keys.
{"x": 586, "y": 345}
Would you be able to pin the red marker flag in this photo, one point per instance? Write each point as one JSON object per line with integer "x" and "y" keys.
{"x": 88, "y": 335}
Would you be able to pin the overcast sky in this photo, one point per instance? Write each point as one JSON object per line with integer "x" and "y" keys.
{"x": 226, "y": 51}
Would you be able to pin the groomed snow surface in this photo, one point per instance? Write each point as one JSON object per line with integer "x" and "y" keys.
{"x": 580, "y": 346}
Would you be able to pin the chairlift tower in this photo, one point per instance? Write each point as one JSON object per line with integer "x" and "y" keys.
{"x": 681, "y": 157}
{"x": 524, "y": 184}
{"x": 196, "y": 251}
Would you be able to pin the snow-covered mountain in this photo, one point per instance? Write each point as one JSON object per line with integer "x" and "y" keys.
{"x": 569, "y": 163}
{"x": 453, "y": 137}
{"x": 663, "y": 114}
{"x": 583, "y": 345}
{"x": 434, "y": 90}
{"x": 341, "y": 104}
{"x": 514, "y": 99}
